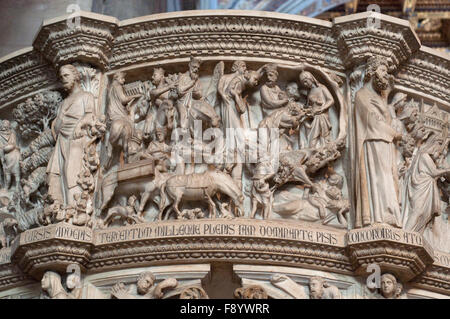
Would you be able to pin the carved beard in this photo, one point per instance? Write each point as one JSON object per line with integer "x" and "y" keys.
{"x": 316, "y": 294}
{"x": 380, "y": 83}
{"x": 69, "y": 85}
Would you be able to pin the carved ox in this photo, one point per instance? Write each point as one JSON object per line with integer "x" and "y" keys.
{"x": 198, "y": 187}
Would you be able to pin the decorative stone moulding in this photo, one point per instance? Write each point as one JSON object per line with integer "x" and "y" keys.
{"x": 362, "y": 35}
{"x": 427, "y": 72}
{"x": 149, "y": 63}
{"x": 436, "y": 276}
{"x": 53, "y": 247}
{"x": 24, "y": 72}
{"x": 83, "y": 37}
{"x": 228, "y": 34}
{"x": 10, "y": 274}
{"x": 403, "y": 253}
{"x": 56, "y": 246}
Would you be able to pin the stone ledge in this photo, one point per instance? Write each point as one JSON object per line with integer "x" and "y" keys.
{"x": 10, "y": 275}
{"x": 437, "y": 276}
{"x": 52, "y": 248}
{"x": 406, "y": 254}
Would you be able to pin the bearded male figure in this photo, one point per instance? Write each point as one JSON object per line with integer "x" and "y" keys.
{"x": 376, "y": 181}
{"x": 67, "y": 129}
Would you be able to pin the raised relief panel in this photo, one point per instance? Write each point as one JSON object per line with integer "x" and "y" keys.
{"x": 218, "y": 137}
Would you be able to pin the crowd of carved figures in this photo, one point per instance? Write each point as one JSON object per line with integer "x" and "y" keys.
{"x": 346, "y": 160}
{"x": 148, "y": 287}
{"x": 68, "y": 170}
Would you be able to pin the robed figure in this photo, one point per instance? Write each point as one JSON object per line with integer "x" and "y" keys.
{"x": 376, "y": 181}
{"x": 422, "y": 202}
{"x": 67, "y": 158}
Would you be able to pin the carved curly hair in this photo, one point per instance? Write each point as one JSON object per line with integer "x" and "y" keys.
{"x": 373, "y": 63}
{"x": 72, "y": 69}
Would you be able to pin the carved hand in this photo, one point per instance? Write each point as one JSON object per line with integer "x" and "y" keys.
{"x": 119, "y": 291}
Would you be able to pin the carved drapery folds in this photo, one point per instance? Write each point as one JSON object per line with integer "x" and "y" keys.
{"x": 225, "y": 137}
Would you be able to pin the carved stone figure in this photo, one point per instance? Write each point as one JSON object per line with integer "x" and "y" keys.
{"x": 198, "y": 186}
{"x": 145, "y": 288}
{"x": 66, "y": 160}
{"x": 160, "y": 98}
{"x": 129, "y": 213}
{"x": 195, "y": 213}
{"x": 422, "y": 201}
{"x": 159, "y": 151}
{"x": 80, "y": 215}
{"x": 261, "y": 195}
{"x": 52, "y": 287}
{"x": 288, "y": 285}
{"x": 284, "y": 120}
{"x": 272, "y": 97}
{"x": 9, "y": 155}
{"x": 152, "y": 188}
{"x": 319, "y": 289}
{"x": 375, "y": 168}
{"x": 251, "y": 292}
{"x": 73, "y": 284}
{"x": 8, "y": 229}
{"x": 329, "y": 196}
{"x": 193, "y": 293}
{"x": 319, "y": 100}
{"x": 121, "y": 115}
{"x": 390, "y": 288}
{"x": 233, "y": 106}
{"x": 189, "y": 88}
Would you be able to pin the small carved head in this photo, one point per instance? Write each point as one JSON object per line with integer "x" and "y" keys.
{"x": 271, "y": 72}
{"x": 377, "y": 70}
{"x": 69, "y": 76}
{"x": 316, "y": 285}
{"x": 194, "y": 67}
{"x": 336, "y": 180}
{"x": 51, "y": 284}
{"x": 239, "y": 66}
{"x": 72, "y": 281}
{"x": 160, "y": 133}
{"x": 158, "y": 75}
{"x": 389, "y": 286}
{"x": 399, "y": 100}
{"x": 144, "y": 282}
{"x": 292, "y": 91}
{"x": 132, "y": 200}
{"x": 119, "y": 77}
{"x": 6, "y": 125}
{"x": 252, "y": 78}
{"x": 307, "y": 80}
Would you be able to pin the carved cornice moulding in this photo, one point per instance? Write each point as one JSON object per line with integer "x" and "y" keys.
{"x": 246, "y": 241}
{"x": 23, "y": 72}
{"x": 427, "y": 71}
{"x": 10, "y": 275}
{"x": 105, "y": 42}
{"x": 437, "y": 276}
{"x": 249, "y": 34}
{"x": 369, "y": 33}
{"x": 84, "y": 37}
{"x": 406, "y": 254}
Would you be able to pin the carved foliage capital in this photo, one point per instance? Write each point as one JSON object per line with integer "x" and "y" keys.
{"x": 362, "y": 35}
{"x": 86, "y": 37}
